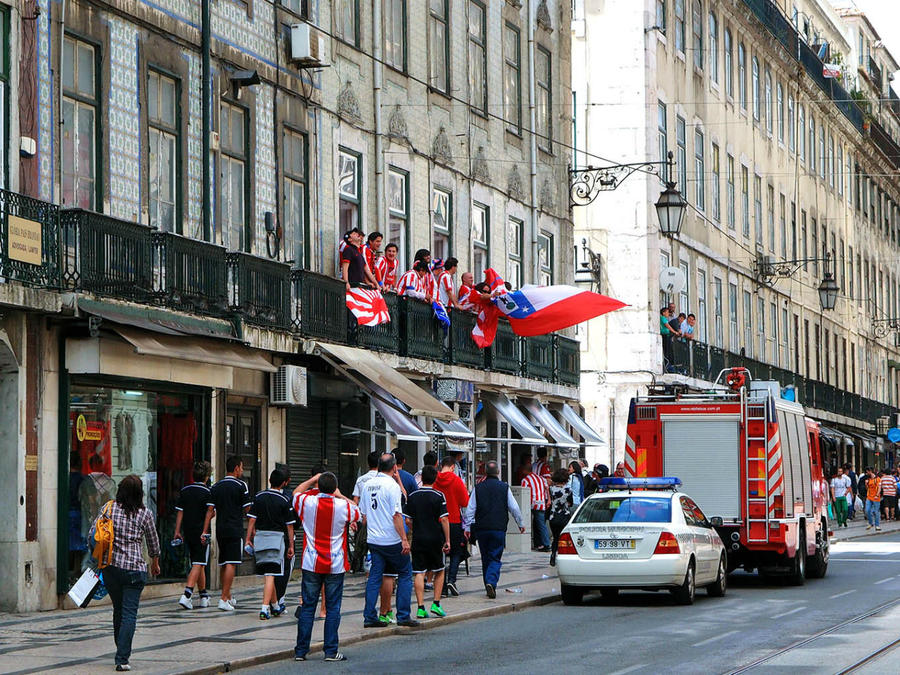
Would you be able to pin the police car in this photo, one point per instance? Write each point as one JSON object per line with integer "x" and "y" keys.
{"x": 640, "y": 533}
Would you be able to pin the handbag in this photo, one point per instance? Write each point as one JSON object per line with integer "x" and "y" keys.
{"x": 858, "y": 505}
{"x": 84, "y": 590}
{"x": 104, "y": 536}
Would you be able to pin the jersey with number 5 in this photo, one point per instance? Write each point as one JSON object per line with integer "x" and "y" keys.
{"x": 379, "y": 501}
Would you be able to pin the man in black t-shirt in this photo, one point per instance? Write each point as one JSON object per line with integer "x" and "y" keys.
{"x": 189, "y": 519}
{"x": 229, "y": 500}
{"x": 354, "y": 269}
{"x": 429, "y": 524}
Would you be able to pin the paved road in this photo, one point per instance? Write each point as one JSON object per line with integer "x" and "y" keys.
{"x": 753, "y": 621}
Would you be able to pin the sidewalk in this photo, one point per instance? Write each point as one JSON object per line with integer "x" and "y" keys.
{"x": 857, "y": 528}
{"x": 172, "y": 640}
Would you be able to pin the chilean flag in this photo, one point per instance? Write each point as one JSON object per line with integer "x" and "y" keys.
{"x": 538, "y": 310}
{"x": 368, "y": 306}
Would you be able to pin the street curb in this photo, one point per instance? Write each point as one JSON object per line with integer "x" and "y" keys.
{"x": 260, "y": 659}
{"x": 871, "y": 534}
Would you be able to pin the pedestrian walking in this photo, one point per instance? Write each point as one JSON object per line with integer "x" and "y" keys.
{"x": 310, "y": 487}
{"x": 457, "y": 498}
{"x": 840, "y": 492}
{"x": 406, "y": 478}
{"x": 325, "y": 518}
{"x": 126, "y": 576}
{"x": 486, "y": 518}
{"x": 283, "y": 579}
{"x": 429, "y": 523}
{"x": 381, "y": 505}
{"x": 430, "y": 458}
{"x": 889, "y": 495}
{"x": 271, "y": 526}
{"x": 576, "y": 482}
{"x": 229, "y": 500}
{"x": 873, "y": 499}
{"x": 539, "y": 536}
{"x": 562, "y": 502}
{"x": 851, "y": 498}
{"x": 189, "y": 516}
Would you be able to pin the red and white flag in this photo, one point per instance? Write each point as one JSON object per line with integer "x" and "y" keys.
{"x": 831, "y": 70}
{"x": 368, "y": 306}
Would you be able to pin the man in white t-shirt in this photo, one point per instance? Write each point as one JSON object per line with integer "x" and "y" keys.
{"x": 840, "y": 492}
{"x": 372, "y": 462}
{"x": 381, "y": 503}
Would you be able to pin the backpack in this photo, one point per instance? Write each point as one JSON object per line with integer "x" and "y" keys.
{"x": 104, "y": 536}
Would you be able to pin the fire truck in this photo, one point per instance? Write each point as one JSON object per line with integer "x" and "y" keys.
{"x": 751, "y": 460}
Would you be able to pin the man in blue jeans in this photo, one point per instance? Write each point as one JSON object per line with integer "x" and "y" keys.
{"x": 487, "y": 515}
{"x": 381, "y": 503}
{"x": 325, "y": 519}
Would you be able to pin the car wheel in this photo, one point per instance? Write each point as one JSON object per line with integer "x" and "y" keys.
{"x": 609, "y": 594}
{"x": 684, "y": 594}
{"x": 571, "y": 595}
{"x": 720, "y": 585}
{"x": 798, "y": 572}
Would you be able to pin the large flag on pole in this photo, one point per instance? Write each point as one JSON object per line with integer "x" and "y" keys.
{"x": 368, "y": 306}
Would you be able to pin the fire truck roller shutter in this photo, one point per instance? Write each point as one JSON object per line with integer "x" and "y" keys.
{"x": 803, "y": 458}
{"x": 704, "y": 454}
{"x": 787, "y": 432}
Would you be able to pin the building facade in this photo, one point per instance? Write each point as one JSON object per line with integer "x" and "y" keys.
{"x": 150, "y": 302}
{"x": 789, "y": 172}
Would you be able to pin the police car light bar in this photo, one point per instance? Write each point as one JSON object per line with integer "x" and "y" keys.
{"x": 658, "y": 483}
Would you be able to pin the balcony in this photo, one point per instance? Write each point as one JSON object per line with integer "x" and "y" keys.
{"x": 190, "y": 274}
{"x": 29, "y": 240}
{"x": 320, "y": 306}
{"x": 539, "y": 357}
{"x": 505, "y": 355}
{"x": 874, "y": 72}
{"x": 259, "y": 290}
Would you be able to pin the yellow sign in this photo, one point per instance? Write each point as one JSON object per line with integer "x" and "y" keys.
{"x": 94, "y": 431}
{"x": 80, "y": 428}
{"x": 24, "y": 240}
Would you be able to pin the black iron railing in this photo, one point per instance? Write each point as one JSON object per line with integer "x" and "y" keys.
{"x": 106, "y": 255}
{"x": 189, "y": 274}
{"x": 875, "y": 73}
{"x": 505, "y": 355}
{"x": 29, "y": 240}
{"x": 463, "y": 350}
{"x": 384, "y": 337}
{"x": 421, "y": 335}
{"x": 259, "y": 290}
{"x": 568, "y": 360}
{"x": 320, "y": 306}
{"x": 538, "y": 361}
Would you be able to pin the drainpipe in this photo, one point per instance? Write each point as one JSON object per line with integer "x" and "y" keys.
{"x": 59, "y": 100}
{"x": 205, "y": 126}
{"x": 532, "y": 146}
{"x": 377, "y": 73}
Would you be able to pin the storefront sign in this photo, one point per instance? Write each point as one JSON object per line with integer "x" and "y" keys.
{"x": 88, "y": 431}
{"x": 24, "y": 240}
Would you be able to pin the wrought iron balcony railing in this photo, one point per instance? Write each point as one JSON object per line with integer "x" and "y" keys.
{"x": 29, "y": 240}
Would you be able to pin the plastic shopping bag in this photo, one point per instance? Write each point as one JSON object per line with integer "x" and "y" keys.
{"x": 858, "y": 505}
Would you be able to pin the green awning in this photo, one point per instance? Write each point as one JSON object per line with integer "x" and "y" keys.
{"x": 157, "y": 319}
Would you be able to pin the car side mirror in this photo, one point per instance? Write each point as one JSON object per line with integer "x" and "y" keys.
{"x": 716, "y": 521}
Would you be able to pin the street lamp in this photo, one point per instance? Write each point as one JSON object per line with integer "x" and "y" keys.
{"x": 768, "y": 270}
{"x": 670, "y": 209}
{"x": 828, "y": 291}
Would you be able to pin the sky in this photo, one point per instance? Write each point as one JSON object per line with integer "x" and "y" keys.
{"x": 885, "y": 16}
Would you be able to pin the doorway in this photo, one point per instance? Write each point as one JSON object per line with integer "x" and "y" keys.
{"x": 242, "y": 438}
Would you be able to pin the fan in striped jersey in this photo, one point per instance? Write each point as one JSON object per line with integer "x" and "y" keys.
{"x": 368, "y": 306}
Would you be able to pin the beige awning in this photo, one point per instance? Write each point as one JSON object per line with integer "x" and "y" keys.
{"x": 201, "y": 350}
{"x": 372, "y": 368}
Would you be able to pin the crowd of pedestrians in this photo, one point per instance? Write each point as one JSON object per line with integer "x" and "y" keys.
{"x": 873, "y": 494}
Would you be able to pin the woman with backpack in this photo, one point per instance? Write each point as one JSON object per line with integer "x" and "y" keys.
{"x": 126, "y": 573}
{"x": 561, "y": 507}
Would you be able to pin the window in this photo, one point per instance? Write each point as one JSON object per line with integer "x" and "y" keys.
{"x": 717, "y": 310}
{"x": 679, "y": 25}
{"x": 815, "y": 244}
{"x": 794, "y": 230}
{"x": 346, "y": 21}
{"x": 661, "y": 128}
{"x": 295, "y": 195}
{"x": 761, "y": 327}
{"x": 514, "y": 230}
{"x": 839, "y": 168}
{"x": 748, "y": 324}
{"x": 779, "y": 103}
{"x": 512, "y": 82}
{"x": 664, "y": 298}
{"x": 832, "y": 178}
{"x": 801, "y": 133}
{"x": 773, "y": 327}
{"x": 848, "y": 172}
{"x": 681, "y": 159}
{"x": 699, "y": 170}
{"x": 713, "y": 48}
{"x": 661, "y": 16}
{"x": 477, "y": 57}
{"x": 768, "y": 102}
{"x": 481, "y": 232}
{"x": 803, "y": 242}
{"x": 235, "y": 180}
{"x": 742, "y": 76}
{"x": 811, "y": 147}
{"x": 296, "y": 6}
{"x": 697, "y": 31}
{"x": 395, "y": 33}
{"x": 822, "y": 151}
{"x": 441, "y": 223}
{"x": 684, "y": 296}
{"x": 545, "y": 258}
{"x": 544, "y": 103}
{"x": 4, "y": 95}
{"x": 439, "y": 45}
{"x": 716, "y": 188}
{"x": 733, "y": 317}
{"x": 792, "y": 144}
{"x": 757, "y": 208}
{"x": 754, "y": 90}
{"x": 783, "y": 222}
{"x": 745, "y": 200}
{"x": 700, "y": 330}
{"x": 398, "y": 210}
{"x": 729, "y": 191}
{"x": 163, "y": 127}
{"x": 350, "y": 191}
{"x": 770, "y": 193}
{"x": 729, "y": 72}
{"x": 79, "y": 125}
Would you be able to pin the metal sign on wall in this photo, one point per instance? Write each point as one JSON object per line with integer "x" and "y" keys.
{"x": 24, "y": 240}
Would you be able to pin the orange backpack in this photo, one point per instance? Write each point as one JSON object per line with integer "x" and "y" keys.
{"x": 104, "y": 536}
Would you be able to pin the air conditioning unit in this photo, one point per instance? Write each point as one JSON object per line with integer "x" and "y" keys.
{"x": 289, "y": 386}
{"x": 306, "y": 45}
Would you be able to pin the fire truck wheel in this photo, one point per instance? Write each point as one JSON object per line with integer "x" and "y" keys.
{"x": 720, "y": 585}
{"x": 818, "y": 566}
{"x": 684, "y": 594}
{"x": 571, "y": 595}
{"x": 798, "y": 574}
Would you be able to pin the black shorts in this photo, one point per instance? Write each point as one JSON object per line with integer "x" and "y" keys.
{"x": 390, "y": 570}
{"x": 231, "y": 551}
{"x": 427, "y": 559}
{"x": 889, "y": 501}
{"x": 198, "y": 553}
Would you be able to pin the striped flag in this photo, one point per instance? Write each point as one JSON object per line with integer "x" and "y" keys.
{"x": 538, "y": 310}
{"x": 368, "y": 306}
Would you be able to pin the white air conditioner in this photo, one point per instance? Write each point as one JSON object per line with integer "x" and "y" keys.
{"x": 306, "y": 45}
{"x": 289, "y": 386}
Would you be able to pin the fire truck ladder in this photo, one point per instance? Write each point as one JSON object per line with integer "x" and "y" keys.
{"x": 755, "y": 413}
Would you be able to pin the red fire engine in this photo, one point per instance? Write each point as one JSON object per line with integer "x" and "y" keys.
{"x": 752, "y": 462}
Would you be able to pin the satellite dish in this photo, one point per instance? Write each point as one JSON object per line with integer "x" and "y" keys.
{"x": 671, "y": 280}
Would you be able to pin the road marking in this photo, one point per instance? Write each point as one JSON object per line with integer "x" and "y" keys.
{"x": 788, "y": 613}
{"x": 713, "y": 639}
{"x": 865, "y": 560}
{"x": 841, "y": 595}
{"x": 630, "y": 669}
{"x": 883, "y": 581}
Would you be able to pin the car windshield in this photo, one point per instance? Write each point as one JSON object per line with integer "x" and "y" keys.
{"x": 626, "y": 509}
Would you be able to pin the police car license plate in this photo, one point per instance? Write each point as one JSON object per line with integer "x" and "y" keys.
{"x": 613, "y": 543}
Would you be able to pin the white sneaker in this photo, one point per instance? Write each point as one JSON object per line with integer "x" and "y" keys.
{"x": 186, "y": 602}
{"x": 232, "y": 601}
{"x": 226, "y": 606}
{"x": 204, "y": 601}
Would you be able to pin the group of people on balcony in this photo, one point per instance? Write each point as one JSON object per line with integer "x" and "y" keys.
{"x": 432, "y": 280}
{"x": 674, "y": 325}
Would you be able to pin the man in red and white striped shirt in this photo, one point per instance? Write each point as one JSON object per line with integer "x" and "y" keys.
{"x": 325, "y": 519}
{"x": 388, "y": 268}
{"x": 413, "y": 282}
{"x": 539, "y": 497}
{"x": 889, "y": 495}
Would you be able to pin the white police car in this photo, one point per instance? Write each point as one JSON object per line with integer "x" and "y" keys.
{"x": 641, "y": 533}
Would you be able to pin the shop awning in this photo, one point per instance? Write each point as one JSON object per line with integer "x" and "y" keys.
{"x": 196, "y": 349}
{"x": 399, "y": 424}
{"x": 374, "y": 370}
{"x": 454, "y": 429}
{"x": 157, "y": 320}
{"x": 587, "y": 433}
{"x": 508, "y": 410}
{"x": 546, "y": 419}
